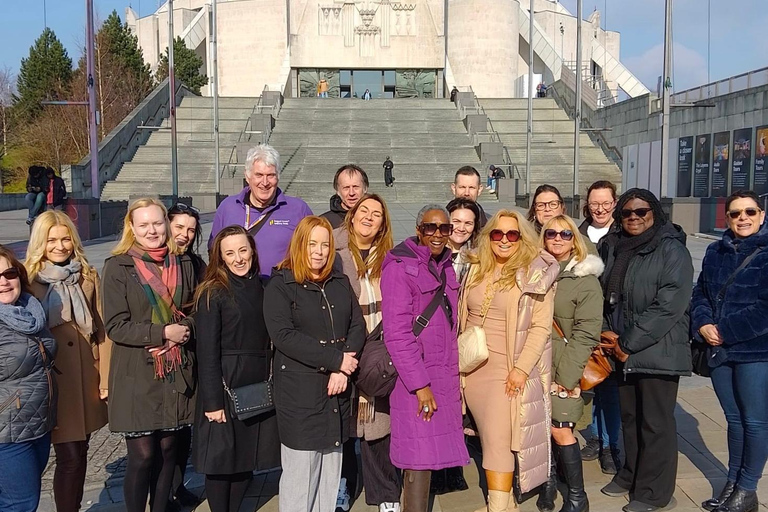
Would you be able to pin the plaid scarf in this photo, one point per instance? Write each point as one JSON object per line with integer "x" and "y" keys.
{"x": 163, "y": 290}
{"x": 370, "y": 303}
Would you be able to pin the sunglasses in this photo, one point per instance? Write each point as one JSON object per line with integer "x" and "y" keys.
{"x": 751, "y": 212}
{"x": 498, "y": 235}
{"x": 10, "y": 273}
{"x": 640, "y": 212}
{"x": 430, "y": 228}
{"x": 183, "y": 208}
{"x": 551, "y": 234}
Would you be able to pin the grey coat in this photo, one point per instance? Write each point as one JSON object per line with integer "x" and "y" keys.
{"x": 27, "y": 385}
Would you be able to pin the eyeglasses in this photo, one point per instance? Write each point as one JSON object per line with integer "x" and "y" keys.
{"x": 498, "y": 235}
{"x": 551, "y": 234}
{"x": 10, "y": 273}
{"x": 543, "y": 206}
{"x": 184, "y": 208}
{"x": 640, "y": 212}
{"x": 430, "y": 228}
{"x": 605, "y": 205}
{"x": 751, "y": 212}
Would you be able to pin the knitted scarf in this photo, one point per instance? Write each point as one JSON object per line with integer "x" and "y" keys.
{"x": 26, "y": 316}
{"x": 370, "y": 303}
{"x": 64, "y": 300}
{"x": 626, "y": 249}
{"x": 163, "y": 290}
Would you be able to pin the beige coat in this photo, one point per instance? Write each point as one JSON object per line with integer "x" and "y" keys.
{"x": 529, "y": 348}
{"x": 84, "y": 367}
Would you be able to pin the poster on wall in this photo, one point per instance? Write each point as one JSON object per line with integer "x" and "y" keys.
{"x": 701, "y": 166}
{"x": 761, "y": 155}
{"x": 684, "y": 164}
{"x": 721, "y": 146}
{"x": 741, "y": 173}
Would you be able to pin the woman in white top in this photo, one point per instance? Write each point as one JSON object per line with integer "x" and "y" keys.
{"x": 598, "y": 211}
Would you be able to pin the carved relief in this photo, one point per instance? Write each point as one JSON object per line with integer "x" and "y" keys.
{"x": 329, "y": 20}
{"x": 404, "y": 19}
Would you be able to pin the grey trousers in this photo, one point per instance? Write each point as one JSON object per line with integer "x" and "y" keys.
{"x": 310, "y": 480}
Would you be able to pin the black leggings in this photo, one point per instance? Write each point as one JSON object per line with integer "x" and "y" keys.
{"x": 151, "y": 464}
{"x": 226, "y": 492}
{"x": 183, "y": 445}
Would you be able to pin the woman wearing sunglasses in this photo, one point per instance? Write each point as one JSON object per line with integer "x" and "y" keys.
{"x": 27, "y": 388}
{"x": 509, "y": 293}
{"x": 647, "y": 287}
{"x": 69, "y": 289}
{"x": 728, "y": 311}
{"x": 425, "y": 405}
{"x": 579, "y": 317}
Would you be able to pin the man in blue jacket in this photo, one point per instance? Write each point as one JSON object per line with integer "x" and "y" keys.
{"x": 269, "y": 215}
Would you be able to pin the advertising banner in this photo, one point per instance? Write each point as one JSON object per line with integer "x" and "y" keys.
{"x": 741, "y": 173}
{"x": 761, "y": 155}
{"x": 684, "y": 165}
{"x": 720, "y": 158}
{"x": 701, "y": 166}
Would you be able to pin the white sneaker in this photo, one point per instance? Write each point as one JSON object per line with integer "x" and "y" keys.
{"x": 342, "y": 499}
{"x": 389, "y": 507}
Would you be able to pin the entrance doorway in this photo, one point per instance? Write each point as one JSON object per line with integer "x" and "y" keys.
{"x": 354, "y": 82}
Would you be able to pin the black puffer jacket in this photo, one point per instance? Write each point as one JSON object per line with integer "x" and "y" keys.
{"x": 309, "y": 346}
{"x": 27, "y": 385}
{"x": 337, "y": 213}
{"x": 655, "y": 302}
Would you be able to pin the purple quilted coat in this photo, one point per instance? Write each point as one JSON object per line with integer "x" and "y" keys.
{"x": 410, "y": 278}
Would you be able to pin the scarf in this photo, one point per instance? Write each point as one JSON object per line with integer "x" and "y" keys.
{"x": 626, "y": 249}
{"x": 370, "y": 303}
{"x": 26, "y": 316}
{"x": 163, "y": 290}
{"x": 64, "y": 300}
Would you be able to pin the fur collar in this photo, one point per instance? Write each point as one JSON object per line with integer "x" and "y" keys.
{"x": 591, "y": 265}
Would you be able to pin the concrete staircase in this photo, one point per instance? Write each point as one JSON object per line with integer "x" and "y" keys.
{"x": 552, "y": 146}
{"x": 149, "y": 172}
{"x": 425, "y": 138}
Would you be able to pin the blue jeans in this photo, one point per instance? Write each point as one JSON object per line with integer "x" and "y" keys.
{"x": 35, "y": 202}
{"x": 606, "y": 414}
{"x": 741, "y": 388}
{"x": 21, "y": 468}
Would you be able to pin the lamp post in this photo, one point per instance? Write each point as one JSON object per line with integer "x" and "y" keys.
{"x": 529, "y": 134}
{"x": 215, "y": 87}
{"x": 666, "y": 85}
{"x": 577, "y": 113}
{"x": 172, "y": 106}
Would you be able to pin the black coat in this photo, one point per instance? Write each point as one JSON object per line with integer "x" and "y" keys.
{"x": 59, "y": 190}
{"x": 309, "y": 346}
{"x": 655, "y": 302}
{"x": 233, "y": 344}
{"x": 337, "y": 213}
{"x": 138, "y": 402}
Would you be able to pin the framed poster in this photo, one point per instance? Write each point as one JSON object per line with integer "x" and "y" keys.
{"x": 721, "y": 148}
{"x": 761, "y": 155}
{"x": 684, "y": 164}
{"x": 701, "y": 166}
{"x": 741, "y": 172}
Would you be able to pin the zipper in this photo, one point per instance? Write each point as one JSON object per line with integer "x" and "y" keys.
{"x": 16, "y": 396}
{"x": 328, "y": 307}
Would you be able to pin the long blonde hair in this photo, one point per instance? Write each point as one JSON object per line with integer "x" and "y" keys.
{"x": 38, "y": 241}
{"x": 579, "y": 250}
{"x": 485, "y": 261}
{"x": 127, "y": 238}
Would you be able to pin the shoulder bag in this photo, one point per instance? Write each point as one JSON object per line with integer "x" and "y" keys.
{"x": 599, "y": 366}
{"x": 253, "y": 399}
{"x": 473, "y": 347}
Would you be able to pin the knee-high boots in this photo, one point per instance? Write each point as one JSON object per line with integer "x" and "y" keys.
{"x": 570, "y": 459}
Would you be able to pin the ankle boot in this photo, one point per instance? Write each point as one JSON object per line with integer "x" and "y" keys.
{"x": 570, "y": 459}
{"x": 713, "y": 503}
{"x": 740, "y": 501}
{"x": 498, "y": 501}
{"x": 548, "y": 490}
{"x": 416, "y": 490}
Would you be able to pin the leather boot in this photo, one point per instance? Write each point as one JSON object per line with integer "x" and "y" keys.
{"x": 416, "y": 490}
{"x": 548, "y": 490}
{"x": 740, "y": 501}
{"x": 570, "y": 459}
{"x": 498, "y": 501}
{"x": 713, "y": 503}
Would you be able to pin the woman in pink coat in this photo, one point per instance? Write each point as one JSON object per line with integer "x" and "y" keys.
{"x": 426, "y": 402}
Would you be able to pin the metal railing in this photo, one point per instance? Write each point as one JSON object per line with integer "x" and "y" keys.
{"x": 231, "y": 165}
{"x": 736, "y": 83}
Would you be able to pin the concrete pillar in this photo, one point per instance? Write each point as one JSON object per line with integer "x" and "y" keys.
{"x": 385, "y": 11}
{"x": 348, "y": 24}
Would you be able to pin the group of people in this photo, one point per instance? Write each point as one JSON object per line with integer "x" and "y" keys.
{"x": 45, "y": 191}
{"x": 335, "y": 336}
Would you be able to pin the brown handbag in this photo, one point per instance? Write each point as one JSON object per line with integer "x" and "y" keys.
{"x": 598, "y": 366}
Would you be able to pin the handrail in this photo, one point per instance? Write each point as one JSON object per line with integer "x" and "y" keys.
{"x": 240, "y": 137}
{"x": 734, "y": 83}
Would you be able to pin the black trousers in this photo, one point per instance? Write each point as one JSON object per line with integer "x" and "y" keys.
{"x": 381, "y": 478}
{"x": 650, "y": 437}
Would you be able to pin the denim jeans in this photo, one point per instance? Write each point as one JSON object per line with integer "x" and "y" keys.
{"x": 606, "y": 414}
{"x": 21, "y": 468}
{"x": 741, "y": 390}
{"x": 35, "y": 203}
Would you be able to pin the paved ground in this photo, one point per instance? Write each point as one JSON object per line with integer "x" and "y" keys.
{"x": 701, "y": 424}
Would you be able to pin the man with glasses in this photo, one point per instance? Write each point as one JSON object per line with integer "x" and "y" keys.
{"x": 262, "y": 208}
{"x": 467, "y": 184}
{"x": 350, "y": 184}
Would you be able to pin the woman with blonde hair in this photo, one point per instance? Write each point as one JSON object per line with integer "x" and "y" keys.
{"x": 509, "y": 294}
{"x": 314, "y": 320}
{"x": 148, "y": 287}
{"x": 69, "y": 289}
{"x": 578, "y": 318}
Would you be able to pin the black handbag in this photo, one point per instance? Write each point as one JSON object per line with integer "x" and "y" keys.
{"x": 253, "y": 399}
{"x": 376, "y": 375}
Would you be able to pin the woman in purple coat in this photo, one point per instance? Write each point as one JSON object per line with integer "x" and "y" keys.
{"x": 420, "y": 335}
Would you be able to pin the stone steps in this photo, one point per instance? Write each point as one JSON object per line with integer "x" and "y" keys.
{"x": 354, "y": 126}
{"x": 376, "y": 140}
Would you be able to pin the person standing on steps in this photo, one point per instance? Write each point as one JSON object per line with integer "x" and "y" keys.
{"x": 262, "y": 208}
{"x": 389, "y": 177}
{"x": 350, "y": 183}
{"x": 467, "y": 184}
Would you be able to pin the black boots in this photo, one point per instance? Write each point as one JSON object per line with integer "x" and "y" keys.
{"x": 740, "y": 501}
{"x": 713, "y": 503}
{"x": 570, "y": 461}
{"x": 548, "y": 491}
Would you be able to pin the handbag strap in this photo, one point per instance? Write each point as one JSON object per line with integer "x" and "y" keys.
{"x": 721, "y": 293}
{"x": 260, "y": 222}
{"x": 270, "y": 354}
{"x": 422, "y": 321}
{"x": 559, "y": 331}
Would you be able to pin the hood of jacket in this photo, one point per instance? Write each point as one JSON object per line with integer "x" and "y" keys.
{"x": 540, "y": 275}
{"x": 410, "y": 249}
{"x": 336, "y": 206}
{"x": 591, "y": 265}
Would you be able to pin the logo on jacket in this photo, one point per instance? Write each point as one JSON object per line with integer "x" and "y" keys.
{"x": 279, "y": 222}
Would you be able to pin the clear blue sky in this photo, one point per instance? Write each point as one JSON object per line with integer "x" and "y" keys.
{"x": 738, "y": 38}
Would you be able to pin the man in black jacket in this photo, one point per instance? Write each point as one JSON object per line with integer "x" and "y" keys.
{"x": 350, "y": 184}
{"x": 389, "y": 176}
{"x": 467, "y": 184}
{"x": 36, "y": 191}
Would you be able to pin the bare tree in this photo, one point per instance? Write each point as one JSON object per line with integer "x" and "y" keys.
{"x": 7, "y": 89}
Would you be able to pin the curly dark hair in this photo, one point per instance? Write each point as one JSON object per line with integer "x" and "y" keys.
{"x": 644, "y": 195}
